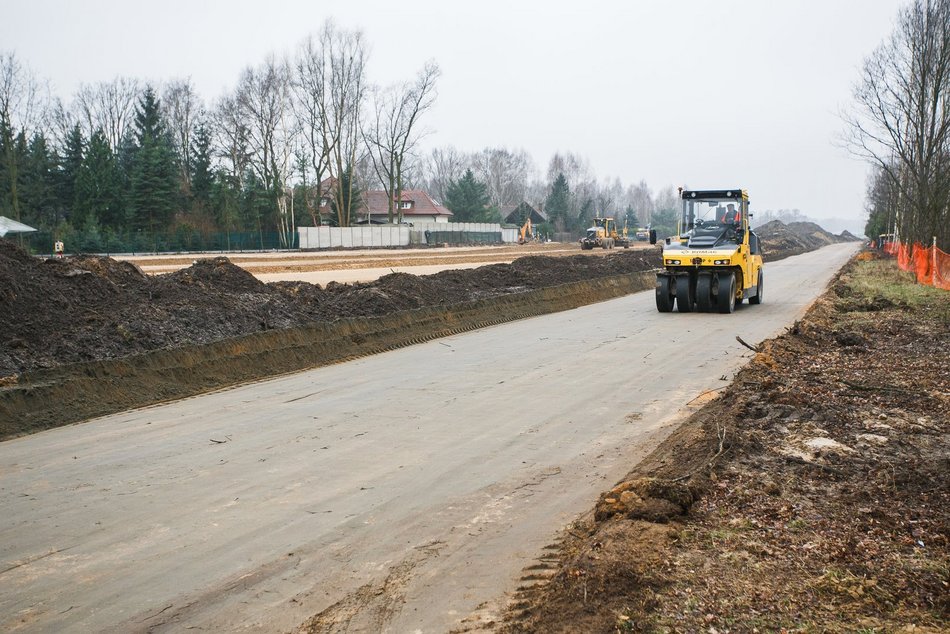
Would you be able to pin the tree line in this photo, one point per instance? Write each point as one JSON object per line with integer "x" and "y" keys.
{"x": 130, "y": 165}
{"x": 900, "y": 123}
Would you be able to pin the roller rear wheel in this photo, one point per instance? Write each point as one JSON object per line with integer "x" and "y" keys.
{"x": 665, "y": 293}
{"x": 759, "y": 296}
{"x": 726, "y": 298}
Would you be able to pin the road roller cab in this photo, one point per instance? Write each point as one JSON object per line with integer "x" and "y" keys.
{"x": 714, "y": 261}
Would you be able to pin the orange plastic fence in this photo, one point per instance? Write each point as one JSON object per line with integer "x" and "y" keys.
{"x": 930, "y": 265}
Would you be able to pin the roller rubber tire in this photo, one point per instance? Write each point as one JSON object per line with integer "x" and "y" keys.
{"x": 704, "y": 293}
{"x": 759, "y": 292}
{"x": 664, "y": 293}
{"x": 685, "y": 297}
{"x": 726, "y": 297}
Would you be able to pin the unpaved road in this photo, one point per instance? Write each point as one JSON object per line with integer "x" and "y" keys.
{"x": 366, "y": 265}
{"x": 397, "y": 493}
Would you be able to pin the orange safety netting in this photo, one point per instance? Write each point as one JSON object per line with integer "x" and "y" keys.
{"x": 930, "y": 265}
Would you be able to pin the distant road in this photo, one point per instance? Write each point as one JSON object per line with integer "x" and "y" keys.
{"x": 398, "y": 491}
{"x": 365, "y": 265}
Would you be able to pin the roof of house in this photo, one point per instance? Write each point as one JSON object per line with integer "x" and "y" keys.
{"x": 376, "y": 202}
{"x": 516, "y": 213}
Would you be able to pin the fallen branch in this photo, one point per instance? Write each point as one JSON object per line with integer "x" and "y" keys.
{"x": 875, "y": 388}
{"x": 749, "y": 346}
{"x": 721, "y": 434}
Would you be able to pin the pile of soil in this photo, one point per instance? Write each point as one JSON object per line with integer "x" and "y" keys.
{"x": 61, "y": 311}
{"x": 781, "y": 240}
{"x": 812, "y": 495}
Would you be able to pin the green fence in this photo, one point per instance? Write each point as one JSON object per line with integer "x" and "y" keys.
{"x": 463, "y": 237}
{"x": 176, "y": 242}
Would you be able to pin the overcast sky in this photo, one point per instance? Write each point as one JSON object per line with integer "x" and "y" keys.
{"x": 705, "y": 93}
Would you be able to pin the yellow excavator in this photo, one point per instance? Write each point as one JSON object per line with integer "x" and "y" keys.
{"x": 715, "y": 260}
{"x": 525, "y": 233}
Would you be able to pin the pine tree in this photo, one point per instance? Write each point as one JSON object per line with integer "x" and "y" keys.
{"x": 12, "y": 158}
{"x": 39, "y": 191}
{"x": 351, "y": 197}
{"x": 153, "y": 182}
{"x": 467, "y": 199}
{"x": 98, "y": 187}
{"x": 558, "y": 202}
{"x": 201, "y": 175}
{"x": 74, "y": 149}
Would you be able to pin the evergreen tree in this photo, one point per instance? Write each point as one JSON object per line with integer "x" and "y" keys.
{"x": 201, "y": 175}
{"x": 98, "y": 187}
{"x": 585, "y": 215}
{"x": 558, "y": 202}
{"x": 467, "y": 199}
{"x": 40, "y": 198}
{"x": 153, "y": 183}
{"x": 351, "y": 196}
{"x": 13, "y": 155}
{"x": 74, "y": 149}
{"x": 225, "y": 202}
{"x": 257, "y": 205}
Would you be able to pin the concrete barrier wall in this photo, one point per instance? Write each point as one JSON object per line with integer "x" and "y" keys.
{"x": 508, "y": 236}
{"x": 392, "y": 235}
{"x": 353, "y": 237}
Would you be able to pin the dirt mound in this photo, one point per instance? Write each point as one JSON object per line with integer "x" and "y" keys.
{"x": 61, "y": 311}
{"x": 847, "y": 236}
{"x": 780, "y": 240}
{"x": 217, "y": 273}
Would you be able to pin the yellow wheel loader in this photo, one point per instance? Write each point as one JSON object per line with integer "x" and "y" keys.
{"x": 715, "y": 261}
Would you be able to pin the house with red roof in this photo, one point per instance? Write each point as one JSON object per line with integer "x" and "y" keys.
{"x": 414, "y": 206}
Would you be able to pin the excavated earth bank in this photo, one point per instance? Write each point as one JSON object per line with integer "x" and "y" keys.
{"x": 90, "y": 336}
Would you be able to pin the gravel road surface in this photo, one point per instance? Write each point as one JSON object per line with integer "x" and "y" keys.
{"x": 398, "y": 492}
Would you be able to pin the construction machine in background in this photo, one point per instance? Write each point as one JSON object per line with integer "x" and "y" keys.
{"x": 525, "y": 234}
{"x": 604, "y": 234}
{"x": 715, "y": 261}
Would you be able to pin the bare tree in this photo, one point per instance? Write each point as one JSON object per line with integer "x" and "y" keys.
{"x": 109, "y": 106}
{"x": 506, "y": 173}
{"x": 640, "y": 198}
{"x": 340, "y": 107}
{"x": 393, "y": 131}
{"x": 574, "y": 167}
{"x": 310, "y": 86}
{"x": 441, "y": 167}
{"x": 263, "y": 101}
{"x": 182, "y": 107}
{"x": 231, "y": 153}
{"x": 610, "y": 199}
{"x": 901, "y": 119}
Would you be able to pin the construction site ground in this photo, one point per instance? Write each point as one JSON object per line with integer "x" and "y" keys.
{"x": 365, "y": 265}
{"x": 810, "y": 495}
